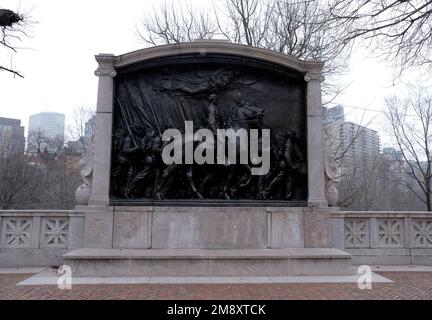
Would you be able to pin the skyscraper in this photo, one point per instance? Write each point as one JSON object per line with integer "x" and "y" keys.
{"x": 333, "y": 119}
{"x": 359, "y": 143}
{"x": 333, "y": 115}
{"x": 348, "y": 141}
{"x": 46, "y": 131}
{"x": 11, "y": 135}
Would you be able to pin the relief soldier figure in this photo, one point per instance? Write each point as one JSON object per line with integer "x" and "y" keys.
{"x": 214, "y": 98}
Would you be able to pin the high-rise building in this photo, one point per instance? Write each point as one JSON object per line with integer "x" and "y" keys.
{"x": 46, "y": 131}
{"x": 333, "y": 115}
{"x": 347, "y": 141}
{"x": 11, "y": 135}
{"x": 359, "y": 143}
{"x": 392, "y": 154}
{"x": 393, "y": 169}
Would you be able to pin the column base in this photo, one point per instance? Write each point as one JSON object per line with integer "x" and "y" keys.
{"x": 99, "y": 201}
{"x": 317, "y": 202}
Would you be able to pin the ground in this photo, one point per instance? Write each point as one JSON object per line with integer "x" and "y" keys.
{"x": 406, "y": 285}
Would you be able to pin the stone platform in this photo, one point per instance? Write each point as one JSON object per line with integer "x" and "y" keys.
{"x": 202, "y": 262}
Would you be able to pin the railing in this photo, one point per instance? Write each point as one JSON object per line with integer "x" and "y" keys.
{"x": 395, "y": 237}
{"x": 43, "y": 235}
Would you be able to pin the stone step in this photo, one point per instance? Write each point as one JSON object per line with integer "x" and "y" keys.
{"x": 201, "y": 262}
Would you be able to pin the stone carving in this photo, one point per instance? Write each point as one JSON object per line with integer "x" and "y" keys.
{"x": 317, "y": 229}
{"x": 55, "y": 232}
{"x": 213, "y": 94}
{"x": 103, "y": 72}
{"x": 330, "y": 171}
{"x": 422, "y": 232}
{"x": 17, "y": 233}
{"x": 356, "y": 233}
{"x": 97, "y": 227}
{"x": 390, "y": 232}
{"x": 83, "y": 192}
{"x": 127, "y": 225}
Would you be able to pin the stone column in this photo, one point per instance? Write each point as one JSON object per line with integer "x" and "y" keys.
{"x": 315, "y": 141}
{"x": 99, "y": 215}
{"x": 102, "y": 139}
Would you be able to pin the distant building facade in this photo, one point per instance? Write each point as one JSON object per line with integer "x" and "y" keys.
{"x": 392, "y": 154}
{"x": 46, "y": 132}
{"x": 348, "y": 142}
{"x": 359, "y": 143}
{"x": 333, "y": 115}
{"x": 393, "y": 169}
{"x": 11, "y": 135}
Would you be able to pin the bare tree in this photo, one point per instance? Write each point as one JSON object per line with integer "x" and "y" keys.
{"x": 36, "y": 142}
{"x": 399, "y": 29}
{"x": 46, "y": 177}
{"x": 19, "y": 179}
{"x": 170, "y": 24}
{"x": 82, "y": 126}
{"x": 299, "y": 28}
{"x": 357, "y": 178}
{"x": 336, "y": 147}
{"x": 359, "y": 184}
{"x": 12, "y": 27}
{"x": 410, "y": 120}
{"x": 392, "y": 194}
{"x": 246, "y": 21}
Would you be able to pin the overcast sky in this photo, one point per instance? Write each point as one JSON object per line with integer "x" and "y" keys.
{"x": 58, "y": 62}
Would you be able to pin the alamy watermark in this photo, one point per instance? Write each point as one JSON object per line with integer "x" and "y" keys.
{"x": 239, "y": 146}
{"x": 365, "y": 279}
{"x": 64, "y": 281}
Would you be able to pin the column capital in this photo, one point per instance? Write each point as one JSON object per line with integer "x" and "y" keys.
{"x": 314, "y": 75}
{"x": 105, "y": 71}
{"x": 106, "y": 65}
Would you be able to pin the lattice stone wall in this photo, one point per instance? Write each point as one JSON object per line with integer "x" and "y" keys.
{"x": 385, "y": 237}
{"x": 31, "y": 238}
{"x": 370, "y": 232}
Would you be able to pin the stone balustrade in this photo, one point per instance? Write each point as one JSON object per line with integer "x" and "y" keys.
{"x": 382, "y": 237}
{"x": 41, "y": 237}
{"x": 38, "y": 237}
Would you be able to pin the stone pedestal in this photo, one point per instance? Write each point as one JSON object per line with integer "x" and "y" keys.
{"x": 200, "y": 262}
{"x": 254, "y": 241}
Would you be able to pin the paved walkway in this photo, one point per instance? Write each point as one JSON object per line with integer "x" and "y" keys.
{"x": 405, "y": 285}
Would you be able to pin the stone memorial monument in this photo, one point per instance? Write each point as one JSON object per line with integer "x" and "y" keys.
{"x": 149, "y": 217}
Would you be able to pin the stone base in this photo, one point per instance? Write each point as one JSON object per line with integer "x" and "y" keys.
{"x": 391, "y": 256}
{"x": 201, "y": 262}
{"x": 31, "y": 257}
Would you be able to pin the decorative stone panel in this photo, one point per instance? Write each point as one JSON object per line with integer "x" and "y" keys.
{"x": 356, "y": 233}
{"x": 55, "y": 232}
{"x": 132, "y": 229}
{"x": 390, "y": 232}
{"x": 421, "y": 233}
{"x": 16, "y": 232}
{"x": 98, "y": 229}
{"x": 317, "y": 229}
